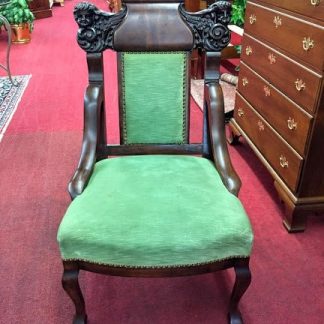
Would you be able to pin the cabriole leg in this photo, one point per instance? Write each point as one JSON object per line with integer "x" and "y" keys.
{"x": 242, "y": 282}
{"x": 71, "y": 286}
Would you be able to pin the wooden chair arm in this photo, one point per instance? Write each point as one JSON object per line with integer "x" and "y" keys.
{"x": 93, "y": 100}
{"x": 216, "y": 122}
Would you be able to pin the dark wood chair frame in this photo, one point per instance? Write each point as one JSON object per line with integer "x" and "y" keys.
{"x": 210, "y": 33}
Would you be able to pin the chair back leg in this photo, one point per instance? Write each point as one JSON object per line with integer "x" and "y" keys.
{"x": 70, "y": 284}
{"x": 242, "y": 282}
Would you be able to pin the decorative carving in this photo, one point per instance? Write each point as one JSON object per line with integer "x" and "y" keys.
{"x": 96, "y": 27}
{"x": 209, "y": 26}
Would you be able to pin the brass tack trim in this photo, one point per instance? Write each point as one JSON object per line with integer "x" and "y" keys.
{"x": 124, "y": 99}
{"x": 113, "y": 265}
{"x": 184, "y": 102}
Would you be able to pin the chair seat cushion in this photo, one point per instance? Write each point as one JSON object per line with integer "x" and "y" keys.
{"x": 155, "y": 211}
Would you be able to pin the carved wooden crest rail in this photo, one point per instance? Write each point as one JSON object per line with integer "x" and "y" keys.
{"x": 210, "y": 25}
{"x": 96, "y": 27}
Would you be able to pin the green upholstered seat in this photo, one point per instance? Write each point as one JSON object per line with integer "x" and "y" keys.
{"x": 155, "y": 210}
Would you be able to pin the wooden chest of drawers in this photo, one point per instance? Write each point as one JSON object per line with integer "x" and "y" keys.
{"x": 40, "y": 8}
{"x": 279, "y": 107}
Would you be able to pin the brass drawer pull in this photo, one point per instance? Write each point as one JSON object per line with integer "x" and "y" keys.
{"x": 261, "y": 126}
{"x": 308, "y": 43}
{"x": 315, "y": 2}
{"x": 271, "y": 58}
{"x": 245, "y": 81}
{"x": 283, "y": 161}
{"x": 248, "y": 50}
{"x": 277, "y": 21}
{"x": 292, "y": 125}
{"x": 240, "y": 112}
{"x": 252, "y": 19}
{"x": 300, "y": 85}
{"x": 267, "y": 91}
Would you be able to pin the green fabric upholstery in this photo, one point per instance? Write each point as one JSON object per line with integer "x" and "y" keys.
{"x": 155, "y": 210}
{"x": 153, "y": 97}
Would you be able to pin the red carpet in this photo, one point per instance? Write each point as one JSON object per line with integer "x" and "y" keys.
{"x": 38, "y": 155}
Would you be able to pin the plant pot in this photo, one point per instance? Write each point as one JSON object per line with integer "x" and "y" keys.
{"x": 20, "y": 33}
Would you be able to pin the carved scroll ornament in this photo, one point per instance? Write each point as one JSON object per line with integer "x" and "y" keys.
{"x": 96, "y": 27}
{"x": 210, "y": 25}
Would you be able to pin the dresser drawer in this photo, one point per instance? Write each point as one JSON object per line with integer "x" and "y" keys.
{"x": 294, "y": 80}
{"x": 310, "y": 8}
{"x": 290, "y": 121}
{"x": 284, "y": 160}
{"x": 299, "y": 37}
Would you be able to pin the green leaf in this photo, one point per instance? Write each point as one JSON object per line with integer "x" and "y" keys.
{"x": 238, "y": 12}
{"x": 238, "y": 49}
{"x": 22, "y": 3}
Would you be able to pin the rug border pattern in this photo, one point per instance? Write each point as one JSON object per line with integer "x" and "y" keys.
{"x": 12, "y": 100}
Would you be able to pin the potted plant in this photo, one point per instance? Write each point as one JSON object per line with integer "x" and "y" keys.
{"x": 20, "y": 18}
{"x": 238, "y": 12}
{"x": 237, "y": 18}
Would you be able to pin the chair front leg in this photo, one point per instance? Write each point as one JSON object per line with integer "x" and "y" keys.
{"x": 242, "y": 282}
{"x": 70, "y": 284}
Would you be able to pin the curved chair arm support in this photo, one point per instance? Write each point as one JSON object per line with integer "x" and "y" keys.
{"x": 216, "y": 122}
{"x": 93, "y": 100}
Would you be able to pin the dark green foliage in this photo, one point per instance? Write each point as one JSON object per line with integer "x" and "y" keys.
{"x": 238, "y": 12}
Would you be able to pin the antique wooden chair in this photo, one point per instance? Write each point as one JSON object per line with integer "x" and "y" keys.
{"x": 165, "y": 207}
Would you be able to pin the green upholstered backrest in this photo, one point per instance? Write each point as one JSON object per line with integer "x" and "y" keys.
{"x": 153, "y": 97}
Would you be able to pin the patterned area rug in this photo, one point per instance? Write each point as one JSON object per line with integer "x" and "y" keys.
{"x": 10, "y": 97}
{"x": 197, "y": 92}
